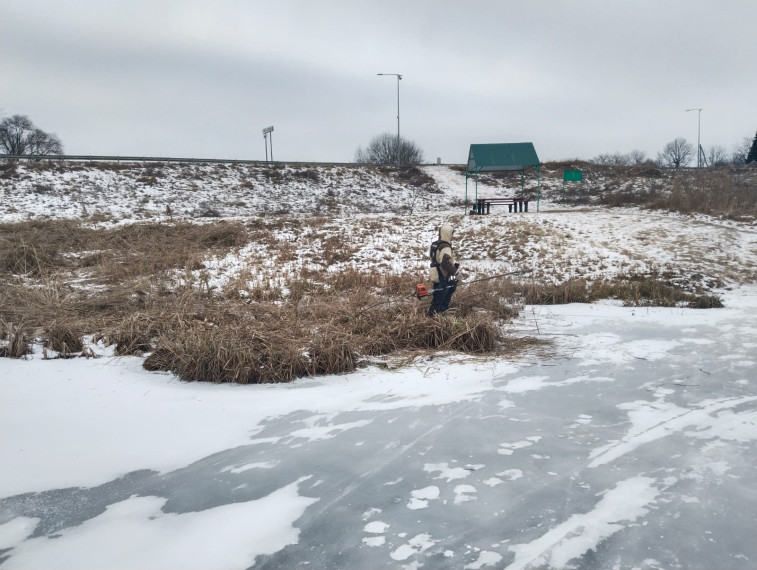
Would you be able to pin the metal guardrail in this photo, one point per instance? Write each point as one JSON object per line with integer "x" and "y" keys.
{"x": 96, "y": 158}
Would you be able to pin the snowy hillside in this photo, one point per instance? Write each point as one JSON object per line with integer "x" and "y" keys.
{"x": 139, "y": 191}
{"x": 623, "y": 438}
{"x": 386, "y": 218}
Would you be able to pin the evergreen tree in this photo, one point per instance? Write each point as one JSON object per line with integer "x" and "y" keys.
{"x": 752, "y": 156}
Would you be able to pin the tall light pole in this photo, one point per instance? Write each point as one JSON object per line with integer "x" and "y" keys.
{"x": 399, "y": 77}
{"x": 699, "y": 145}
{"x": 268, "y": 133}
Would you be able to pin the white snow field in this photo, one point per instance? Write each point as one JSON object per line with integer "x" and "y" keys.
{"x": 628, "y": 441}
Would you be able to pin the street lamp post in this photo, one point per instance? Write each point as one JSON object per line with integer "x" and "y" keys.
{"x": 699, "y": 145}
{"x": 399, "y": 77}
{"x": 268, "y": 136}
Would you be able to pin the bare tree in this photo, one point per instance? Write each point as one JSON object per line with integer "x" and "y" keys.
{"x": 717, "y": 156}
{"x": 637, "y": 157}
{"x": 634, "y": 157}
{"x": 383, "y": 150}
{"x": 19, "y": 137}
{"x": 676, "y": 153}
{"x": 615, "y": 159}
{"x": 741, "y": 151}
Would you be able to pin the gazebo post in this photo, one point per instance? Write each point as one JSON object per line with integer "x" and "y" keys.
{"x": 475, "y": 204}
{"x": 538, "y": 185}
{"x": 466, "y": 190}
{"x": 522, "y": 181}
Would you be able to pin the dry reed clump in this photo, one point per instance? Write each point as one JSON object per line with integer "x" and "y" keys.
{"x": 505, "y": 298}
{"x": 405, "y": 327}
{"x": 476, "y": 334}
{"x": 240, "y": 355}
{"x": 133, "y": 336}
{"x": 502, "y": 299}
{"x": 26, "y": 259}
{"x": 64, "y": 340}
{"x": 333, "y": 353}
{"x": 16, "y": 339}
{"x": 571, "y": 291}
{"x": 652, "y": 292}
{"x": 326, "y": 335}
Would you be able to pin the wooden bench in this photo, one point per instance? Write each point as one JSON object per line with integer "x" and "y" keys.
{"x": 483, "y": 205}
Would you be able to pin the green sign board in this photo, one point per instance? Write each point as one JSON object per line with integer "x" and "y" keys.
{"x": 572, "y": 176}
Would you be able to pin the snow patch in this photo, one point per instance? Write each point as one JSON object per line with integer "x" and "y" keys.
{"x": 485, "y": 558}
{"x": 626, "y": 502}
{"x": 446, "y": 472}
{"x": 417, "y": 544}
{"x": 137, "y": 533}
{"x": 420, "y": 497}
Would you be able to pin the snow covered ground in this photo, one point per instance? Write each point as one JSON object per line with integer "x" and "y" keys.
{"x": 628, "y": 441}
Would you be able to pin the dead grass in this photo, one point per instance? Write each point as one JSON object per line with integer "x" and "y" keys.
{"x": 17, "y": 339}
{"x": 143, "y": 288}
{"x": 64, "y": 340}
{"x": 325, "y": 340}
{"x": 726, "y": 191}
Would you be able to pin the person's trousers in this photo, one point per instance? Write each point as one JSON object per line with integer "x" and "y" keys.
{"x": 442, "y": 296}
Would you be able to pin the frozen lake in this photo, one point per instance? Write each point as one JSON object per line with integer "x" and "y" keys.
{"x": 629, "y": 442}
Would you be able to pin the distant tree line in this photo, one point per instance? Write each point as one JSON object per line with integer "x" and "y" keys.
{"x": 679, "y": 153}
{"x": 19, "y": 137}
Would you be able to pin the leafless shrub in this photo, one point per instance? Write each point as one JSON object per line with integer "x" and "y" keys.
{"x": 415, "y": 177}
{"x": 8, "y": 169}
{"x": 43, "y": 188}
{"x": 273, "y": 173}
{"x": 207, "y": 209}
{"x": 307, "y": 174}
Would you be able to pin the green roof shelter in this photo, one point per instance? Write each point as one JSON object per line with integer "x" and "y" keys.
{"x": 502, "y": 157}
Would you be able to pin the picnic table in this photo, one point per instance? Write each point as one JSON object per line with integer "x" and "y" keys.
{"x": 483, "y": 205}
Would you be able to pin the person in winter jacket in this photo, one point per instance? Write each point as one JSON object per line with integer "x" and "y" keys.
{"x": 443, "y": 273}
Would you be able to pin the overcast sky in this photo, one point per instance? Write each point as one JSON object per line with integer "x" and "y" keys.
{"x": 203, "y": 78}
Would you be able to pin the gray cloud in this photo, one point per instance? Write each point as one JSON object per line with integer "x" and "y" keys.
{"x": 202, "y": 79}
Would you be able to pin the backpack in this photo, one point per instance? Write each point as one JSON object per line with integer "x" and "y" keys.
{"x": 436, "y": 246}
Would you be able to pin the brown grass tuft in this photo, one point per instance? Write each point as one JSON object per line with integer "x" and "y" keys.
{"x": 64, "y": 340}
{"x": 17, "y": 339}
